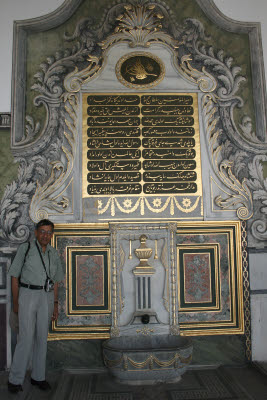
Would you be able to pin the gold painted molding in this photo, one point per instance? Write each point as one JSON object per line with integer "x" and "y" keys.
{"x": 235, "y": 323}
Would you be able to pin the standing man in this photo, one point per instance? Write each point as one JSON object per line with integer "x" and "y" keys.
{"x": 35, "y": 273}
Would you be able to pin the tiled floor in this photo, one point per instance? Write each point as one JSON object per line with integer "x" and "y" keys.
{"x": 247, "y": 383}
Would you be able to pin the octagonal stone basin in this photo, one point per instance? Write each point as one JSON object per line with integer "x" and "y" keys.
{"x": 141, "y": 360}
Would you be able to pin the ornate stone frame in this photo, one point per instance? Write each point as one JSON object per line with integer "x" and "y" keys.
{"x": 230, "y": 147}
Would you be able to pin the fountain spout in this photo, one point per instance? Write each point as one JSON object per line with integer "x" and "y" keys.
{"x": 145, "y": 319}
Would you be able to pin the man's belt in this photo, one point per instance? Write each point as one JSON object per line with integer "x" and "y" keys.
{"x": 34, "y": 287}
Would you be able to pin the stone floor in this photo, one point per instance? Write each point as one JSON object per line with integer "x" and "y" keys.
{"x": 225, "y": 383}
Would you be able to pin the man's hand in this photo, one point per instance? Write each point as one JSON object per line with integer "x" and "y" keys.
{"x": 16, "y": 308}
{"x": 55, "y": 312}
{"x": 15, "y": 293}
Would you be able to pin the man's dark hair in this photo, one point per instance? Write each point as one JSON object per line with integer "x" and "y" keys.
{"x": 45, "y": 222}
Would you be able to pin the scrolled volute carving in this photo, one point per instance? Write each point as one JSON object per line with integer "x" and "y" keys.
{"x": 216, "y": 65}
{"x": 206, "y": 82}
{"x": 259, "y": 230}
{"x": 242, "y": 194}
{"x": 76, "y": 78}
{"x": 14, "y": 203}
{"x": 220, "y": 155}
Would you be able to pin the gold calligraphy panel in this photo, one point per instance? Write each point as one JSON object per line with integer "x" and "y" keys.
{"x": 141, "y": 145}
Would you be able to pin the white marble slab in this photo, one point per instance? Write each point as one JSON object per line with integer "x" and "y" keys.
{"x": 106, "y": 80}
{"x": 259, "y": 327}
{"x": 258, "y": 271}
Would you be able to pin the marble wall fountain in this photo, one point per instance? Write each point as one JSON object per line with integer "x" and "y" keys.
{"x": 147, "y": 359}
{"x": 145, "y": 346}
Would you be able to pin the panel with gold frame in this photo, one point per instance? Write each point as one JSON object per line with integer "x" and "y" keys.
{"x": 84, "y": 296}
{"x": 190, "y": 260}
{"x": 210, "y": 282}
{"x": 141, "y": 156}
{"x": 88, "y": 275}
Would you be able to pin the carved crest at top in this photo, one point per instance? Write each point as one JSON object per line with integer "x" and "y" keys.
{"x": 140, "y": 25}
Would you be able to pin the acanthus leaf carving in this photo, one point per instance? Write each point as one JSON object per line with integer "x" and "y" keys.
{"x": 47, "y": 196}
{"x": 140, "y": 25}
{"x": 227, "y": 159}
{"x": 216, "y": 66}
{"x": 31, "y": 130}
{"x": 206, "y": 82}
{"x": 258, "y": 184}
{"x": 14, "y": 203}
{"x": 223, "y": 167}
{"x": 76, "y": 79}
{"x": 241, "y": 191}
{"x": 247, "y": 130}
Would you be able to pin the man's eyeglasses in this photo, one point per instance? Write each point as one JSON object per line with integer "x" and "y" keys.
{"x": 43, "y": 232}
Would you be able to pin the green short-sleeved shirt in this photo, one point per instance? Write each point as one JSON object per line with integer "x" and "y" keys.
{"x": 33, "y": 272}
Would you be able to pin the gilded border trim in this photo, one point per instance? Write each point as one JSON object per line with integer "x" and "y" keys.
{"x": 208, "y": 246}
{"x": 235, "y": 324}
{"x": 71, "y": 285}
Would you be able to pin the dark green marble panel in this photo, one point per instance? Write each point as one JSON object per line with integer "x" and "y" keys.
{"x": 208, "y": 350}
{"x": 215, "y": 350}
{"x": 8, "y": 169}
{"x": 64, "y": 354}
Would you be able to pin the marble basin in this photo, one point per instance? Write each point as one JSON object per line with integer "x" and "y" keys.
{"x": 147, "y": 359}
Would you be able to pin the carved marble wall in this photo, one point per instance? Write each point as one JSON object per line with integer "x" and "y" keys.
{"x": 75, "y": 52}
{"x": 46, "y": 143}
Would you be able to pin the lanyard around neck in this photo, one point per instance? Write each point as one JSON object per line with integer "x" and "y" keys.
{"x": 43, "y": 259}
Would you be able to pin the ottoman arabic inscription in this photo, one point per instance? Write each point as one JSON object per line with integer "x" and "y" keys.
{"x": 141, "y": 145}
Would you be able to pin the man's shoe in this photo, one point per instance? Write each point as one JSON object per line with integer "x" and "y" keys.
{"x": 43, "y": 385}
{"x": 14, "y": 388}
